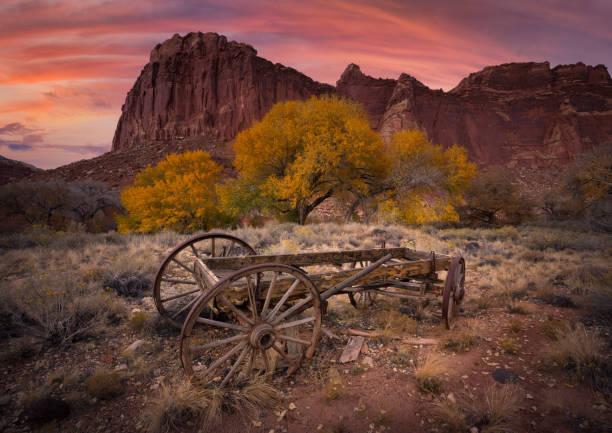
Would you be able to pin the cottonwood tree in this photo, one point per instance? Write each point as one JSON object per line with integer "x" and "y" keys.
{"x": 178, "y": 194}
{"x": 419, "y": 182}
{"x": 494, "y": 198}
{"x": 302, "y": 153}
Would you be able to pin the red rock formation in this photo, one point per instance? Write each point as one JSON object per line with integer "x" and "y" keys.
{"x": 203, "y": 85}
{"x": 373, "y": 93}
{"x": 517, "y": 114}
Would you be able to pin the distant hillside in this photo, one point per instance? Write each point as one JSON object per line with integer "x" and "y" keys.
{"x": 13, "y": 171}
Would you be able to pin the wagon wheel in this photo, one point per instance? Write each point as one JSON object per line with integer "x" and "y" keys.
{"x": 175, "y": 289}
{"x": 362, "y": 300}
{"x": 453, "y": 290}
{"x": 365, "y": 298}
{"x": 273, "y": 320}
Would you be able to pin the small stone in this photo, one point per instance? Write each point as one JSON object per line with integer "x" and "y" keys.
{"x": 256, "y": 423}
{"x": 320, "y": 427}
{"x": 474, "y": 429}
{"x": 465, "y": 376}
{"x": 451, "y": 398}
{"x": 121, "y": 367}
{"x": 292, "y": 406}
{"x": 133, "y": 348}
{"x": 368, "y": 361}
{"x": 281, "y": 415}
{"x": 529, "y": 396}
{"x": 504, "y": 376}
{"x": 47, "y": 409}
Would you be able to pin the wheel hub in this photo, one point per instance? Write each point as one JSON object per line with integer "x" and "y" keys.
{"x": 262, "y": 336}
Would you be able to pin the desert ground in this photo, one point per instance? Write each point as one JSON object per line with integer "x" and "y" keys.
{"x": 84, "y": 349}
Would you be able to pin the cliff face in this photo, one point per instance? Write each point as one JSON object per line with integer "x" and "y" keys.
{"x": 203, "y": 85}
{"x": 518, "y": 114}
{"x": 202, "y": 88}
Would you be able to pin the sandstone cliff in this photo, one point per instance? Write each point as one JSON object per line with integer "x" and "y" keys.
{"x": 518, "y": 114}
{"x": 203, "y": 85}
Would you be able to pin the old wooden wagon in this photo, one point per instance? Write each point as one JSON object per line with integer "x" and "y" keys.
{"x": 242, "y": 314}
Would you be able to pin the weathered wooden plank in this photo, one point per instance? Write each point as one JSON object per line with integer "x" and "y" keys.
{"x": 203, "y": 275}
{"x": 319, "y": 258}
{"x": 352, "y": 349}
{"x": 327, "y": 280}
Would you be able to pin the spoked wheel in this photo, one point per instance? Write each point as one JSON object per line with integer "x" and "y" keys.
{"x": 175, "y": 289}
{"x": 453, "y": 291}
{"x": 270, "y": 319}
{"x": 362, "y": 300}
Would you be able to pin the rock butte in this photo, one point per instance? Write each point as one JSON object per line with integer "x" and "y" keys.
{"x": 200, "y": 90}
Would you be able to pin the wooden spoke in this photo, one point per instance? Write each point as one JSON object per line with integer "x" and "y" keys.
{"x": 180, "y": 295}
{"x": 238, "y": 337}
{"x": 183, "y": 265}
{"x": 251, "y": 293}
{"x": 264, "y": 354}
{"x": 283, "y": 299}
{"x": 194, "y": 251}
{"x": 219, "y": 324}
{"x": 185, "y": 307}
{"x": 293, "y": 339}
{"x": 212, "y": 247}
{"x": 228, "y": 252}
{"x": 235, "y": 366}
{"x": 224, "y": 358}
{"x": 293, "y": 309}
{"x": 247, "y": 370}
{"x": 284, "y": 355}
{"x": 235, "y": 310}
{"x": 178, "y": 281}
{"x": 294, "y": 323}
{"x": 264, "y": 310}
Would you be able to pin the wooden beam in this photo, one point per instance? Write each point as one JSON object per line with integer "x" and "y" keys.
{"x": 319, "y": 258}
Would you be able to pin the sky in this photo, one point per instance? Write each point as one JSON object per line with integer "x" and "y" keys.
{"x": 66, "y": 65}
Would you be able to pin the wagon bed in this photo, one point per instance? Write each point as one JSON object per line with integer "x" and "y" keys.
{"x": 267, "y": 309}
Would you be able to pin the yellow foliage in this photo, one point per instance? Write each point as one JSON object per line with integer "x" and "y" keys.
{"x": 300, "y": 154}
{"x": 178, "y": 194}
{"x": 423, "y": 179}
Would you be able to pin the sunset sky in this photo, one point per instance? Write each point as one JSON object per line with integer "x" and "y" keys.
{"x": 66, "y": 65}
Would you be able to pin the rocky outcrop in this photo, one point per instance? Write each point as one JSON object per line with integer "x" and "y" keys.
{"x": 372, "y": 93}
{"x": 517, "y": 114}
{"x": 14, "y": 171}
{"x": 201, "y": 85}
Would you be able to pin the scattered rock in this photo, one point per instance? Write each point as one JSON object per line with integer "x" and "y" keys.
{"x": 133, "y": 348}
{"x": 504, "y": 376}
{"x": 472, "y": 246}
{"x": 47, "y": 409}
{"x": 368, "y": 361}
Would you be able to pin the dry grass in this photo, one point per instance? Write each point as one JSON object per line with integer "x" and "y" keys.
{"x": 552, "y": 327}
{"x": 515, "y": 325}
{"x": 450, "y": 415}
{"x": 490, "y": 412}
{"x": 179, "y": 405}
{"x": 461, "y": 341}
{"x": 104, "y": 384}
{"x": 509, "y": 345}
{"x": 334, "y": 388}
{"x": 583, "y": 352}
{"x": 497, "y": 407}
{"x": 428, "y": 374}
